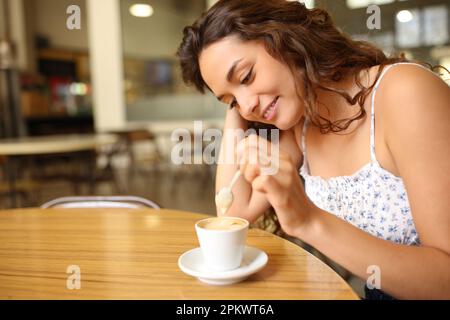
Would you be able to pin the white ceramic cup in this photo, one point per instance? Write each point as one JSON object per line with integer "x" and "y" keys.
{"x": 222, "y": 245}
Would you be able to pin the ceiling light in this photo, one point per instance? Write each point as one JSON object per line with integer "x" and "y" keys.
{"x": 404, "y": 16}
{"x": 141, "y": 10}
{"x": 357, "y": 4}
{"x": 308, "y": 3}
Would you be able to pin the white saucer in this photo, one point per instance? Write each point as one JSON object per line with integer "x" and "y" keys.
{"x": 191, "y": 262}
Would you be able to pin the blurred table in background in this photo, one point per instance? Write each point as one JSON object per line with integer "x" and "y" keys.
{"x": 77, "y": 147}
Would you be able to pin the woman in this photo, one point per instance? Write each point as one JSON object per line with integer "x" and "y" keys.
{"x": 368, "y": 133}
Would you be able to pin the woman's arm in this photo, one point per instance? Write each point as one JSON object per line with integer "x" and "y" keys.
{"x": 414, "y": 106}
{"x": 247, "y": 204}
{"x": 406, "y": 272}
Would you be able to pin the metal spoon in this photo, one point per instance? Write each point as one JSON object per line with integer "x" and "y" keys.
{"x": 224, "y": 198}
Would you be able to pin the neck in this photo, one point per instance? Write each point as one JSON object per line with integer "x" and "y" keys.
{"x": 331, "y": 105}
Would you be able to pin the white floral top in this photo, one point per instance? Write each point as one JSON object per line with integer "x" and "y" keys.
{"x": 373, "y": 199}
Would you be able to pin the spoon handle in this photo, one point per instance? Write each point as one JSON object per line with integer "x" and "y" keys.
{"x": 235, "y": 178}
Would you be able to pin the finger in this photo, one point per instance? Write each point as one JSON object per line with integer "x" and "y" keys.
{"x": 255, "y": 154}
{"x": 267, "y": 184}
{"x": 263, "y": 159}
{"x": 282, "y": 172}
{"x": 240, "y": 149}
{"x": 254, "y": 141}
{"x": 249, "y": 164}
{"x": 277, "y": 161}
{"x": 260, "y": 143}
{"x": 251, "y": 172}
{"x": 259, "y": 184}
{"x": 249, "y": 156}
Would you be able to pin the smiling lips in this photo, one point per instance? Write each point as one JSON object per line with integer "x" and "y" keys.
{"x": 269, "y": 113}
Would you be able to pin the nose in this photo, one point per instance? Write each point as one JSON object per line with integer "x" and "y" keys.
{"x": 248, "y": 104}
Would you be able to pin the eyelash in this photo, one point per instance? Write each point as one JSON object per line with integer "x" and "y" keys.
{"x": 244, "y": 81}
{"x": 247, "y": 77}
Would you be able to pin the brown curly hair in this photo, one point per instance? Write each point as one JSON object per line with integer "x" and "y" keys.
{"x": 304, "y": 39}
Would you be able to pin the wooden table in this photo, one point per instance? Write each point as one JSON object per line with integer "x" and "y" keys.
{"x": 133, "y": 254}
{"x": 54, "y": 144}
{"x": 85, "y": 145}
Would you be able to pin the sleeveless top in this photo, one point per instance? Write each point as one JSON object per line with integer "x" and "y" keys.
{"x": 372, "y": 199}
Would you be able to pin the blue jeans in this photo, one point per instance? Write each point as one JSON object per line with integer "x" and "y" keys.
{"x": 376, "y": 294}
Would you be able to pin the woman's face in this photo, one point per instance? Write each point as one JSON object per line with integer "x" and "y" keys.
{"x": 242, "y": 74}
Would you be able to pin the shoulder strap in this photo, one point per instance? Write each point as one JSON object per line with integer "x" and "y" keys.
{"x": 305, "y": 124}
{"x": 372, "y": 113}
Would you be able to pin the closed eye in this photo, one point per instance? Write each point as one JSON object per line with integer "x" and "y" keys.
{"x": 243, "y": 81}
{"x": 247, "y": 77}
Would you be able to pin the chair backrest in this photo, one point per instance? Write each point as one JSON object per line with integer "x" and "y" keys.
{"x": 129, "y": 202}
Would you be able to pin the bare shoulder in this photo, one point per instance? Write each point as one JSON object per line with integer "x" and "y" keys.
{"x": 411, "y": 81}
{"x": 408, "y": 90}
{"x": 412, "y": 103}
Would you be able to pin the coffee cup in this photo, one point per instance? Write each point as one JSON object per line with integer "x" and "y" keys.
{"x": 222, "y": 241}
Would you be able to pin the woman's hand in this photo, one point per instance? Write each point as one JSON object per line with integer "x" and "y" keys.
{"x": 270, "y": 170}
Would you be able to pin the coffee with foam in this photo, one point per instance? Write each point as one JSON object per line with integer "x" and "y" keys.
{"x": 222, "y": 241}
{"x": 223, "y": 223}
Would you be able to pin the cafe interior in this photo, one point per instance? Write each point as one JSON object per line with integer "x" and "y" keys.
{"x": 91, "y": 95}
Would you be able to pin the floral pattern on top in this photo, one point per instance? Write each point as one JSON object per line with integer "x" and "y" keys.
{"x": 372, "y": 199}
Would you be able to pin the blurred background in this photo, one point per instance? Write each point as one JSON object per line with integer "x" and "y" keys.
{"x": 90, "y": 92}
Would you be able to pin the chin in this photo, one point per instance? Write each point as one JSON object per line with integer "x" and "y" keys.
{"x": 277, "y": 124}
{"x": 281, "y": 126}
{"x": 288, "y": 119}
{"x": 284, "y": 124}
